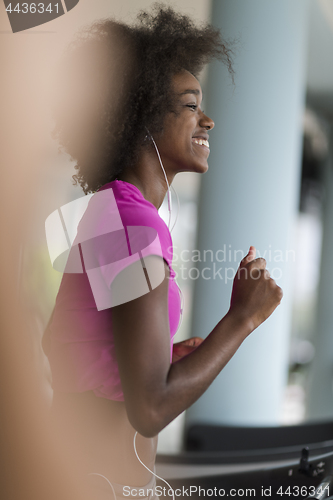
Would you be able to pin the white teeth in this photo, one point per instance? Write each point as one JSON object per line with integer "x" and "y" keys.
{"x": 201, "y": 142}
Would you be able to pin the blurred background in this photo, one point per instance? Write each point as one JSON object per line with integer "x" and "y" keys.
{"x": 269, "y": 185}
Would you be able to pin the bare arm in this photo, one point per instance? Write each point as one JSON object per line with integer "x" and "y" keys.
{"x": 156, "y": 391}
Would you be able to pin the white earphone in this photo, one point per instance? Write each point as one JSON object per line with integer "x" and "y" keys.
{"x": 165, "y": 176}
{"x": 170, "y": 210}
{"x": 181, "y": 312}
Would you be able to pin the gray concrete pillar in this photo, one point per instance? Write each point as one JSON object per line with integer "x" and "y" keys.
{"x": 250, "y": 196}
{"x": 320, "y": 387}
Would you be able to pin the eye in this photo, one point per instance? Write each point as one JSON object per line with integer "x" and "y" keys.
{"x": 194, "y": 107}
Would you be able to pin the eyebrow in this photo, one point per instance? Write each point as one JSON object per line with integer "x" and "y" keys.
{"x": 190, "y": 91}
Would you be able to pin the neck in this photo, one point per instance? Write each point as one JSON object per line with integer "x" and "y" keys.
{"x": 147, "y": 175}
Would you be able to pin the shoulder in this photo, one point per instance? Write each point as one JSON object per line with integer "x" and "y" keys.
{"x": 127, "y": 246}
{"x": 137, "y": 216}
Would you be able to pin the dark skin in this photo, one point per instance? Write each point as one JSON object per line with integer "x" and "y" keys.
{"x": 155, "y": 390}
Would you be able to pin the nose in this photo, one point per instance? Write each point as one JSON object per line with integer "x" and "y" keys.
{"x": 206, "y": 122}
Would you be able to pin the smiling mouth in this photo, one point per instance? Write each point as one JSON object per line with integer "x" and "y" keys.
{"x": 200, "y": 142}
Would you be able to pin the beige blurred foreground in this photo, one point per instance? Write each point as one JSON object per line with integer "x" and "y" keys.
{"x": 35, "y": 463}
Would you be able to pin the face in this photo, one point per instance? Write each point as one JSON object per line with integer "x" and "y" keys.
{"x": 183, "y": 144}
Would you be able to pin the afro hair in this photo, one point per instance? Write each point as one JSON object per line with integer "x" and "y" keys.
{"x": 116, "y": 82}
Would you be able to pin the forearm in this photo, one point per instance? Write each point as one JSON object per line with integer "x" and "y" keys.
{"x": 155, "y": 391}
{"x": 188, "y": 378}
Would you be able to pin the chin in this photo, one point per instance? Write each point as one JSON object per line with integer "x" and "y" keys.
{"x": 200, "y": 169}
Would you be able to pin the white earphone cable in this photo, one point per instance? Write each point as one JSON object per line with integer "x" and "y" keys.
{"x": 158, "y": 477}
{"x": 180, "y": 292}
{"x": 178, "y": 208}
{"x": 165, "y": 176}
{"x": 106, "y": 479}
{"x": 176, "y": 218}
{"x": 181, "y": 314}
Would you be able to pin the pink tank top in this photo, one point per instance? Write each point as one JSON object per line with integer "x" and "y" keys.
{"x": 79, "y": 342}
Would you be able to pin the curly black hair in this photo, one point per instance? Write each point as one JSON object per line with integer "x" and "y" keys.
{"x": 117, "y": 83}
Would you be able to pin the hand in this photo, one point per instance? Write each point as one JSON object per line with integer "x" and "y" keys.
{"x": 181, "y": 349}
{"x": 255, "y": 295}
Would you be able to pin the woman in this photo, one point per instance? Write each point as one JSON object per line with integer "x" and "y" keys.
{"x": 112, "y": 372}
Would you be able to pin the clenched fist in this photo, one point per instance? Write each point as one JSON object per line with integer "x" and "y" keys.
{"x": 255, "y": 294}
